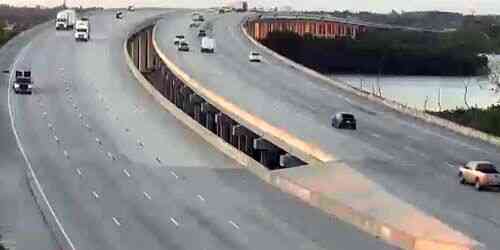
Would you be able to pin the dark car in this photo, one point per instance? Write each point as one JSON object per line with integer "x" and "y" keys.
{"x": 23, "y": 83}
{"x": 183, "y": 46}
{"x": 344, "y": 120}
{"x": 119, "y": 15}
{"x": 202, "y": 33}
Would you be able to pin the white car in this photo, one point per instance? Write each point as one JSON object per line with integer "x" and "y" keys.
{"x": 178, "y": 39}
{"x": 479, "y": 173}
{"x": 254, "y": 57}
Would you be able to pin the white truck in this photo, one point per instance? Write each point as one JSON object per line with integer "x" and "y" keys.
{"x": 82, "y": 30}
{"x": 66, "y": 19}
{"x": 207, "y": 45}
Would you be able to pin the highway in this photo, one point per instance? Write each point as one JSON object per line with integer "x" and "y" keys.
{"x": 411, "y": 159}
{"x": 122, "y": 173}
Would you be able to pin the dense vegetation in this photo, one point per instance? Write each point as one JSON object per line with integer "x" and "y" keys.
{"x": 4, "y": 34}
{"x": 486, "y": 120}
{"x": 394, "y": 52}
{"x": 26, "y": 17}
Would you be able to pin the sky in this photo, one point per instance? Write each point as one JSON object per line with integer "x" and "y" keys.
{"x": 384, "y": 6}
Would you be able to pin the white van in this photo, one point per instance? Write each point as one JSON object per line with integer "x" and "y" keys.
{"x": 82, "y": 30}
{"x": 207, "y": 45}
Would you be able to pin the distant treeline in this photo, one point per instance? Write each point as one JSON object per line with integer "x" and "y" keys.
{"x": 26, "y": 17}
{"x": 393, "y": 52}
{"x": 486, "y": 120}
{"x": 4, "y": 34}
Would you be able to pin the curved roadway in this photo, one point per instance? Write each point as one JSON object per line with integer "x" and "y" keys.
{"x": 122, "y": 173}
{"x": 413, "y": 160}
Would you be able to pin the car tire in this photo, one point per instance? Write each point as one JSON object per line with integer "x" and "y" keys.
{"x": 461, "y": 179}
{"x": 478, "y": 186}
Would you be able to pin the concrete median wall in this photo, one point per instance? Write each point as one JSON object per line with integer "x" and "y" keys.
{"x": 367, "y": 208}
{"x": 457, "y": 128}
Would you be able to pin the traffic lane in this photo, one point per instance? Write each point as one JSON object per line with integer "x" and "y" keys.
{"x": 40, "y": 135}
{"x": 21, "y": 219}
{"x": 211, "y": 220}
{"x": 412, "y": 160}
{"x": 64, "y": 183}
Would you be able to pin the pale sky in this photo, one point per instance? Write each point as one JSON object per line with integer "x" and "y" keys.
{"x": 464, "y": 6}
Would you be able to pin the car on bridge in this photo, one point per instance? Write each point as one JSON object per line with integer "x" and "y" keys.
{"x": 183, "y": 46}
{"x": 178, "y": 39}
{"x": 202, "y": 33}
{"x": 23, "y": 83}
{"x": 119, "y": 15}
{"x": 481, "y": 174}
{"x": 254, "y": 57}
{"x": 344, "y": 120}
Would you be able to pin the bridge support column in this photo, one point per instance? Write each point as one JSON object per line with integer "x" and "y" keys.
{"x": 290, "y": 161}
{"x": 196, "y": 102}
{"x": 185, "y": 93}
{"x": 209, "y": 111}
{"x": 244, "y": 138}
{"x": 269, "y": 153}
{"x": 224, "y": 125}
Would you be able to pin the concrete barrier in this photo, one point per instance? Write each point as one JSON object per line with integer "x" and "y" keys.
{"x": 361, "y": 207}
{"x": 457, "y": 128}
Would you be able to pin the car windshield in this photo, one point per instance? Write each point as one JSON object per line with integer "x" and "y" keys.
{"x": 81, "y": 30}
{"x": 487, "y": 168}
{"x": 255, "y": 54}
{"x": 180, "y": 37}
{"x": 348, "y": 116}
{"x": 61, "y": 20}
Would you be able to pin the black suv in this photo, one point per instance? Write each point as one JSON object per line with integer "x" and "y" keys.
{"x": 344, "y": 120}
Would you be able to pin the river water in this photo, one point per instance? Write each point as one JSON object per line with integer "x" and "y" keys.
{"x": 432, "y": 92}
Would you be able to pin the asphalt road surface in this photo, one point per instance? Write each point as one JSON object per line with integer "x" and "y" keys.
{"x": 413, "y": 160}
{"x": 122, "y": 173}
{"x": 21, "y": 223}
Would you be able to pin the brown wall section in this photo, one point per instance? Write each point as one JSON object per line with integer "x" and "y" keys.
{"x": 259, "y": 29}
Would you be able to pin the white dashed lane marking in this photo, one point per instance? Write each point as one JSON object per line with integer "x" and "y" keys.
{"x": 126, "y": 173}
{"x": 234, "y": 224}
{"x": 174, "y": 221}
{"x": 201, "y": 197}
{"x": 174, "y": 174}
{"x": 115, "y": 220}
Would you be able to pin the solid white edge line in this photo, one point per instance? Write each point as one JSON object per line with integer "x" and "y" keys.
{"x": 28, "y": 163}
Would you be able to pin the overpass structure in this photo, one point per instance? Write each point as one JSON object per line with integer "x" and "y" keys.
{"x": 410, "y": 159}
{"x": 110, "y": 169}
{"x": 118, "y": 172}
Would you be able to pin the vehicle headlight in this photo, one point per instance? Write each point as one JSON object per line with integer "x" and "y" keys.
{"x": 30, "y": 86}
{"x": 16, "y": 85}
